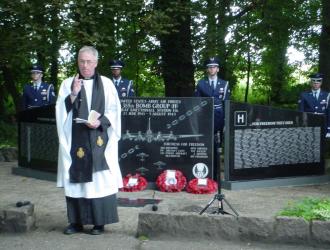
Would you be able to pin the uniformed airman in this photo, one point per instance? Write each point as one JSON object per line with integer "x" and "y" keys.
{"x": 38, "y": 93}
{"x": 213, "y": 86}
{"x": 316, "y": 100}
{"x": 124, "y": 86}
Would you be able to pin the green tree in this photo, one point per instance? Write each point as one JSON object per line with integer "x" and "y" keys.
{"x": 324, "y": 62}
{"x": 159, "y": 41}
{"x": 14, "y": 48}
{"x": 276, "y": 23}
{"x": 176, "y": 48}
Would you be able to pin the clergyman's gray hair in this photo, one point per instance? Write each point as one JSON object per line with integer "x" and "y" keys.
{"x": 90, "y": 49}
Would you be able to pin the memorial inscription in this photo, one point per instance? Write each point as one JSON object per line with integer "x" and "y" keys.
{"x": 165, "y": 133}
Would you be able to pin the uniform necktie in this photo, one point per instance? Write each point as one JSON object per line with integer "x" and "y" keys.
{"x": 35, "y": 87}
{"x": 116, "y": 82}
{"x": 213, "y": 84}
{"x": 315, "y": 95}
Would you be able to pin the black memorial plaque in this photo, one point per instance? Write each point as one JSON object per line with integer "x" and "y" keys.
{"x": 38, "y": 141}
{"x": 167, "y": 133}
{"x": 265, "y": 142}
{"x": 157, "y": 134}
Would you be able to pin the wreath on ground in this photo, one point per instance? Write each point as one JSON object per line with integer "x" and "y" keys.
{"x": 134, "y": 183}
{"x": 202, "y": 186}
{"x": 171, "y": 181}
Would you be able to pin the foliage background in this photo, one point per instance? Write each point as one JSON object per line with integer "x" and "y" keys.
{"x": 164, "y": 44}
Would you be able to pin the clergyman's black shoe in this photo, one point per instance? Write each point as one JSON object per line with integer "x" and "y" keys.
{"x": 97, "y": 230}
{"x": 73, "y": 228}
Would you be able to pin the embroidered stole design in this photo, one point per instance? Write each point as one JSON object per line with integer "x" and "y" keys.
{"x": 88, "y": 145}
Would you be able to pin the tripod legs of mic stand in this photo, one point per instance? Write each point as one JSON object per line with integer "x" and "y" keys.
{"x": 220, "y": 198}
{"x": 228, "y": 204}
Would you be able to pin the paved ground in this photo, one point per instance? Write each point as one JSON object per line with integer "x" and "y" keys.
{"x": 51, "y": 216}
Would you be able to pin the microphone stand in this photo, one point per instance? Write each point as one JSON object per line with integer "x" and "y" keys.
{"x": 219, "y": 196}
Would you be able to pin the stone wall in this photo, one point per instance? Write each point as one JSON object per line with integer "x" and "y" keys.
{"x": 187, "y": 225}
{"x": 8, "y": 154}
{"x": 17, "y": 219}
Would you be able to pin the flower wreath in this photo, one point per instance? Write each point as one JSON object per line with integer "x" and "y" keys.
{"x": 171, "y": 181}
{"x": 202, "y": 186}
{"x": 134, "y": 183}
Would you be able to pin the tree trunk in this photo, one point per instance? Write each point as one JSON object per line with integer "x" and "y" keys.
{"x": 324, "y": 61}
{"x": 55, "y": 46}
{"x": 222, "y": 31}
{"x": 211, "y": 32}
{"x": 176, "y": 51}
{"x": 277, "y": 22}
{"x": 248, "y": 77}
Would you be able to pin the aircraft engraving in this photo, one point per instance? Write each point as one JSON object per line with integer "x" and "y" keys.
{"x": 149, "y": 136}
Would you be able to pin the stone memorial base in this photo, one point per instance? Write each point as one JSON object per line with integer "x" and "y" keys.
{"x": 34, "y": 173}
{"x": 276, "y": 182}
{"x": 179, "y": 225}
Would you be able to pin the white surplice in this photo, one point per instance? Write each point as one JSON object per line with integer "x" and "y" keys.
{"x": 106, "y": 182}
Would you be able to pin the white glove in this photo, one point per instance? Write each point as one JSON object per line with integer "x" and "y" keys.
{"x": 327, "y": 135}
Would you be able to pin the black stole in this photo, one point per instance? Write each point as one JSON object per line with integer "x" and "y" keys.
{"x": 88, "y": 145}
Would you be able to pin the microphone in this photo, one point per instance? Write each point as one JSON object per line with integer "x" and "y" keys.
{"x": 22, "y": 203}
{"x": 154, "y": 206}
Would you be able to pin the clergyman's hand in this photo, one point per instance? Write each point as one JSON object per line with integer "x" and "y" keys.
{"x": 94, "y": 124}
{"x": 76, "y": 87}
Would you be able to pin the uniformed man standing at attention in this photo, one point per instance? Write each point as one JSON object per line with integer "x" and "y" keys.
{"x": 316, "y": 100}
{"x": 39, "y": 93}
{"x": 124, "y": 87}
{"x": 213, "y": 86}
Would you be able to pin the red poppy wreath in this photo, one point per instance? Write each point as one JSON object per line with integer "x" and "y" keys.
{"x": 134, "y": 183}
{"x": 202, "y": 186}
{"x": 171, "y": 181}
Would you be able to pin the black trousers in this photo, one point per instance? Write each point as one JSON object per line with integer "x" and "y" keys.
{"x": 96, "y": 211}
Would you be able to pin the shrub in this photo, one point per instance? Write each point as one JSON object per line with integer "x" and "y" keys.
{"x": 8, "y": 134}
{"x": 309, "y": 209}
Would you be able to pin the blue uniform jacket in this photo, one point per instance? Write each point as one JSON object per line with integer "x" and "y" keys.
{"x": 32, "y": 98}
{"x": 220, "y": 93}
{"x": 124, "y": 88}
{"x": 308, "y": 103}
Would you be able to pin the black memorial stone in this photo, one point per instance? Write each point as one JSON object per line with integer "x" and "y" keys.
{"x": 38, "y": 141}
{"x": 167, "y": 133}
{"x": 157, "y": 134}
{"x": 266, "y": 142}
